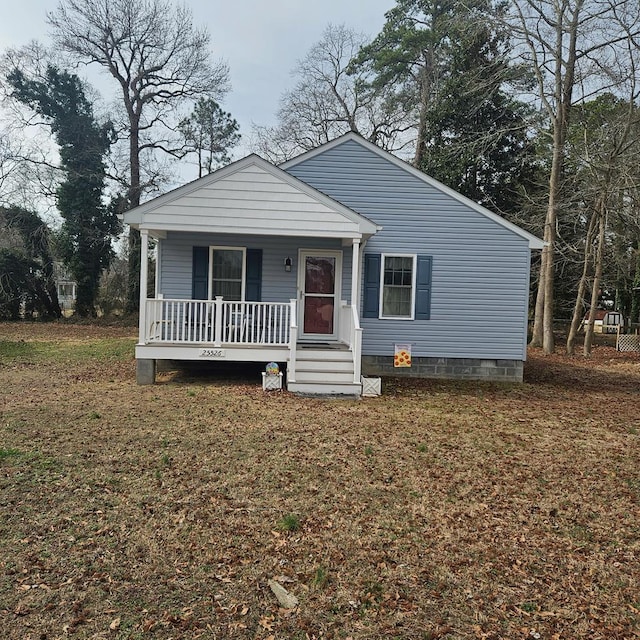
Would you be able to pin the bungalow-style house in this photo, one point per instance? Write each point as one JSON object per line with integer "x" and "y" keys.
{"x": 326, "y": 264}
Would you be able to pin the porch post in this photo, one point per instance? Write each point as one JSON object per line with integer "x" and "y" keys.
{"x": 355, "y": 274}
{"x": 144, "y": 277}
{"x": 217, "y": 323}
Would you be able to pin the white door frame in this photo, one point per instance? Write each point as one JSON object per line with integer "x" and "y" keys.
{"x": 337, "y": 286}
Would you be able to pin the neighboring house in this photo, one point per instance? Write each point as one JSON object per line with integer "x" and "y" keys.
{"x": 66, "y": 287}
{"x": 605, "y": 321}
{"x": 328, "y": 262}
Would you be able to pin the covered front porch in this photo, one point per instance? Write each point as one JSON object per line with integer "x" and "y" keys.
{"x": 253, "y": 265}
{"x": 230, "y": 331}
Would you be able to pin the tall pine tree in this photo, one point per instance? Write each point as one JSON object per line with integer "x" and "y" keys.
{"x": 447, "y": 63}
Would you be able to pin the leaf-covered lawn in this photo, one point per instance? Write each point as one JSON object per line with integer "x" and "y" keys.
{"x": 439, "y": 510}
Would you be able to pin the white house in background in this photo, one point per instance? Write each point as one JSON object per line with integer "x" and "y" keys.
{"x": 66, "y": 287}
{"x": 327, "y": 262}
{"x": 606, "y": 321}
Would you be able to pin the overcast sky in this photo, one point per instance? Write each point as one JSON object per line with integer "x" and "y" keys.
{"x": 261, "y": 40}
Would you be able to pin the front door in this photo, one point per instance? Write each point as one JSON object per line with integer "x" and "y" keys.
{"x": 319, "y": 288}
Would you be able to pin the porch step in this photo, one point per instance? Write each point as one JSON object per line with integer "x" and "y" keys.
{"x": 315, "y": 353}
{"x": 311, "y": 377}
{"x": 327, "y": 372}
{"x": 339, "y": 366}
{"x": 325, "y": 389}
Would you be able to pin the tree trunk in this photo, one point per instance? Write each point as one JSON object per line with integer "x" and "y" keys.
{"x": 536, "y": 337}
{"x": 418, "y": 157}
{"x": 548, "y": 340}
{"x": 602, "y": 221}
{"x": 133, "y": 276}
{"x": 578, "y": 309}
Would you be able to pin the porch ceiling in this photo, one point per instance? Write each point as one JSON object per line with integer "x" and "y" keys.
{"x": 250, "y": 196}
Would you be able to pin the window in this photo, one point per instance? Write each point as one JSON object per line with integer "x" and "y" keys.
{"x": 227, "y": 273}
{"x": 397, "y": 286}
{"x": 66, "y": 290}
{"x": 237, "y": 274}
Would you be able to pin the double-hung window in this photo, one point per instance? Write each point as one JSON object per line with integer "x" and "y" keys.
{"x": 227, "y": 273}
{"x": 398, "y": 286}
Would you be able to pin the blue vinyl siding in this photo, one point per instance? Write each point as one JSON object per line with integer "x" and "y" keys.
{"x": 480, "y": 275}
{"x": 277, "y": 284}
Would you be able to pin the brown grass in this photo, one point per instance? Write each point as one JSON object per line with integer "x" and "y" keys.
{"x": 439, "y": 510}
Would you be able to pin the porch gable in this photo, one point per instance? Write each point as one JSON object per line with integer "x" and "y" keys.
{"x": 250, "y": 196}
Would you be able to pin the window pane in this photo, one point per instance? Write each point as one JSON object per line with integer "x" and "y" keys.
{"x": 227, "y": 273}
{"x": 227, "y": 264}
{"x": 228, "y": 289}
{"x": 396, "y": 301}
{"x": 318, "y": 315}
{"x": 319, "y": 274}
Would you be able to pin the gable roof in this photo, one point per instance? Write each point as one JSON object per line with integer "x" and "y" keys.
{"x": 534, "y": 241}
{"x": 250, "y": 196}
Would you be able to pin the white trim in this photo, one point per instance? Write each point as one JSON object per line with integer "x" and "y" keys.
{"x": 158, "y": 283}
{"x": 414, "y": 258}
{"x": 144, "y": 276}
{"x": 213, "y": 248}
{"x": 337, "y": 291}
{"x": 192, "y": 352}
{"x": 534, "y": 242}
{"x": 355, "y": 274}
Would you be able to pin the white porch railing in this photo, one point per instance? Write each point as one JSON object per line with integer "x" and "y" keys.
{"x": 221, "y": 323}
{"x": 350, "y": 333}
{"x": 356, "y": 345}
{"x": 217, "y": 322}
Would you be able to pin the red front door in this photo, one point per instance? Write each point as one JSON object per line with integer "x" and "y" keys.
{"x": 319, "y": 293}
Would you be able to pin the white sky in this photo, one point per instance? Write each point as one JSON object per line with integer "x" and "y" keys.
{"x": 261, "y": 40}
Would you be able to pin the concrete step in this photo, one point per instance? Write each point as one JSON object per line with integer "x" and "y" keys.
{"x": 325, "y": 389}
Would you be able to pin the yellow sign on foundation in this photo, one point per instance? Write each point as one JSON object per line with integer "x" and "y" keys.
{"x": 402, "y": 355}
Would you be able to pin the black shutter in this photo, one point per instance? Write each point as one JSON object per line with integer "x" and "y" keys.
{"x": 200, "y": 273}
{"x": 423, "y": 288}
{"x": 253, "y": 288}
{"x": 371, "y": 301}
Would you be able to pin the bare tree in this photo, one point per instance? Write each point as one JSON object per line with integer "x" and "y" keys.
{"x": 568, "y": 43}
{"x": 328, "y": 100}
{"x": 608, "y": 146}
{"x": 29, "y": 172}
{"x": 159, "y": 60}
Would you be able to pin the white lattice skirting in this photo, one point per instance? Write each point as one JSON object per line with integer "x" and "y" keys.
{"x": 629, "y": 342}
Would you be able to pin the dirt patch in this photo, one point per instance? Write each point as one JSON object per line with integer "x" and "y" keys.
{"x": 438, "y": 510}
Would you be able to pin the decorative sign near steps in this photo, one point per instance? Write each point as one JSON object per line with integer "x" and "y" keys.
{"x": 272, "y": 377}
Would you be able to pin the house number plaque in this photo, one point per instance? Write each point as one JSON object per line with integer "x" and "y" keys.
{"x": 212, "y": 353}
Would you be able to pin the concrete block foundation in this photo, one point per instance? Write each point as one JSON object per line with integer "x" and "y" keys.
{"x": 447, "y": 368}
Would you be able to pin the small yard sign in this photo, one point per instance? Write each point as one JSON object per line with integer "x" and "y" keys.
{"x": 402, "y": 355}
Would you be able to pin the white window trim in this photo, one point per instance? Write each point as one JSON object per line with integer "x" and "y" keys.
{"x": 383, "y": 259}
{"x": 244, "y": 268}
